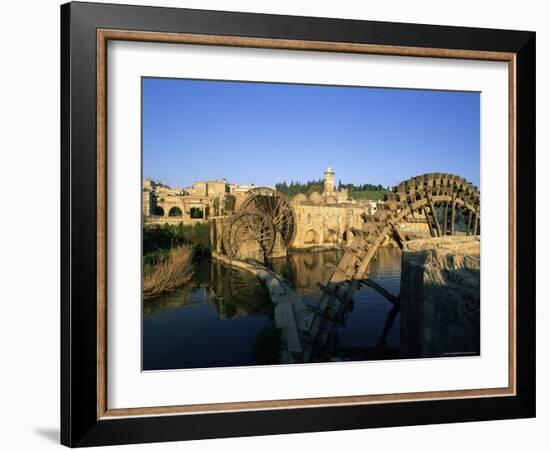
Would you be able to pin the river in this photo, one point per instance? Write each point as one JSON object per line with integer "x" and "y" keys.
{"x": 215, "y": 321}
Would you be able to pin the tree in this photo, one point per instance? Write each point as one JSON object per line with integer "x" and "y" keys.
{"x": 229, "y": 204}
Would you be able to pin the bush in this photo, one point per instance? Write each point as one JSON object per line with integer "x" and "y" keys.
{"x": 158, "y": 239}
{"x": 169, "y": 274}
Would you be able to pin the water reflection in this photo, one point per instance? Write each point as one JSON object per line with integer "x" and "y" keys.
{"x": 221, "y": 316}
{"x": 370, "y": 329}
{"x": 232, "y": 292}
{"x": 213, "y": 322}
{"x": 305, "y": 271}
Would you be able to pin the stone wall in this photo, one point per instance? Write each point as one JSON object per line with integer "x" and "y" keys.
{"x": 325, "y": 224}
{"x": 440, "y": 296}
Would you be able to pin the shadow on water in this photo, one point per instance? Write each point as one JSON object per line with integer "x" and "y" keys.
{"x": 370, "y": 329}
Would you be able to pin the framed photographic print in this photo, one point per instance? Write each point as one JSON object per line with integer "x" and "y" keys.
{"x": 276, "y": 224}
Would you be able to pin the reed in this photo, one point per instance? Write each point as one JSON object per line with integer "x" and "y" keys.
{"x": 169, "y": 274}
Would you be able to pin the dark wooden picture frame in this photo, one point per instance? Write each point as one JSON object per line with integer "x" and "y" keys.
{"x": 85, "y": 418}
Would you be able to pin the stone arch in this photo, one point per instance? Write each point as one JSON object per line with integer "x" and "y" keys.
{"x": 330, "y": 237}
{"x": 311, "y": 237}
{"x": 175, "y": 211}
{"x": 158, "y": 211}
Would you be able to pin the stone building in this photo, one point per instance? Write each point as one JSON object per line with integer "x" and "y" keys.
{"x": 163, "y": 204}
{"x": 196, "y": 203}
{"x": 326, "y": 219}
{"x": 325, "y": 223}
{"x": 323, "y": 219}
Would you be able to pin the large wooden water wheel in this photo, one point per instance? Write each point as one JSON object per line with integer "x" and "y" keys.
{"x": 277, "y": 207}
{"x": 247, "y": 232}
{"x": 449, "y": 204}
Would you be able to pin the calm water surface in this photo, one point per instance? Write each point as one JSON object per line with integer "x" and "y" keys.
{"x": 216, "y": 320}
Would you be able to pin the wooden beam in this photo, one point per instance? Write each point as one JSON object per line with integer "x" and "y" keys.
{"x": 373, "y": 284}
{"x": 428, "y": 220}
{"x": 469, "y": 223}
{"x": 445, "y": 218}
{"x": 434, "y": 215}
{"x": 399, "y": 238}
{"x": 453, "y": 213}
{"x": 346, "y": 302}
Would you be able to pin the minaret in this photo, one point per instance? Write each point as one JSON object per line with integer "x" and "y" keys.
{"x": 329, "y": 181}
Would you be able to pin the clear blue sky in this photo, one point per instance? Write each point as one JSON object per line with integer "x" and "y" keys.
{"x": 263, "y": 133}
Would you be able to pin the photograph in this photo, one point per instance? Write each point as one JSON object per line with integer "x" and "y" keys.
{"x": 282, "y": 222}
{"x": 297, "y": 223}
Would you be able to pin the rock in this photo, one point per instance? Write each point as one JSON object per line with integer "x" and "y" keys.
{"x": 274, "y": 286}
{"x": 440, "y": 296}
{"x": 285, "y": 320}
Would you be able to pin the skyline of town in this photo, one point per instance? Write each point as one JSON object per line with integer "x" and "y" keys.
{"x": 238, "y": 183}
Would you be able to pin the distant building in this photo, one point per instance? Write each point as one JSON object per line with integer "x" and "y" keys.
{"x": 208, "y": 188}
{"x": 327, "y": 218}
{"x": 196, "y": 203}
{"x": 163, "y": 204}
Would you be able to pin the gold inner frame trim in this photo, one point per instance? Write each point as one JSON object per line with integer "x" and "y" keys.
{"x": 103, "y": 36}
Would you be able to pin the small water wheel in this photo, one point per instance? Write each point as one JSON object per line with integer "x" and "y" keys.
{"x": 249, "y": 234}
{"x": 277, "y": 207}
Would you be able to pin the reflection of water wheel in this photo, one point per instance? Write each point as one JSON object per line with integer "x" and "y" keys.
{"x": 247, "y": 228}
{"x": 243, "y": 293}
{"x": 277, "y": 207}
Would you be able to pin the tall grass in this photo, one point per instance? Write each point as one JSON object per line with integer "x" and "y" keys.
{"x": 168, "y": 274}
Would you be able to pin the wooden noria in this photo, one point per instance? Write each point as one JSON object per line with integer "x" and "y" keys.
{"x": 432, "y": 195}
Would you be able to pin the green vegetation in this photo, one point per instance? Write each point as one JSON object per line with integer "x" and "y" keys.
{"x": 361, "y": 187}
{"x": 158, "y": 240}
{"x": 197, "y": 213}
{"x": 356, "y": 191}
{"x": 216, "y": 206}
{"x": 229, "y": 204}
{"x": 267, "y": 346}
{"x": 296, "y": 187}
{"x": 368, "y": 195}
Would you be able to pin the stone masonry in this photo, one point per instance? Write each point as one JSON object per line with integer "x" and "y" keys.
{"x": 440, "y": 295}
